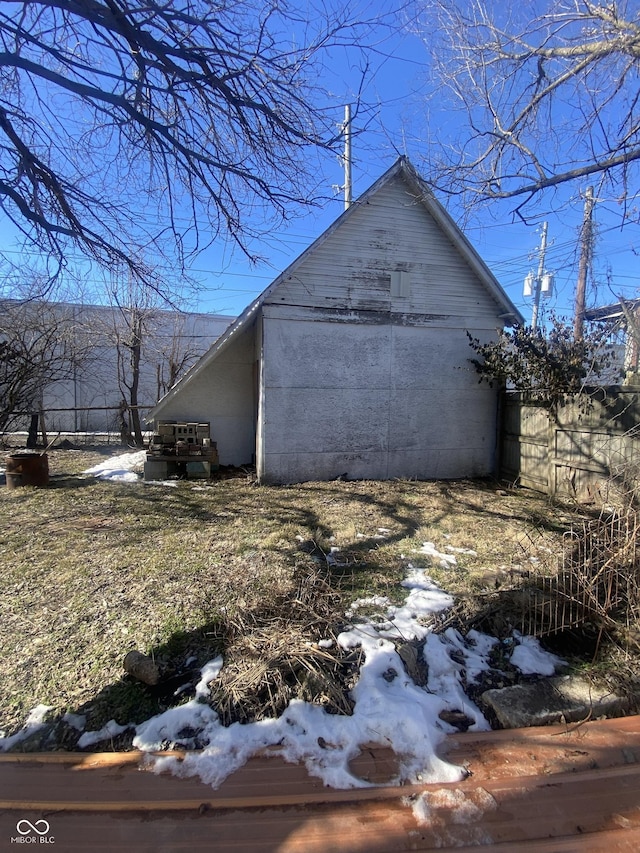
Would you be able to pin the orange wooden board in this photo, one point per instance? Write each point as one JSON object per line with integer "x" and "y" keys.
{"x": 547, "y": 789}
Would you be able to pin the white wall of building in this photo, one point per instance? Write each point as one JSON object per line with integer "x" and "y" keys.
{"x": 355, "y": 360}
{"x": 225, "y": 396}
{"x": 371, "y": 401}
{"x": 366, "y": 360}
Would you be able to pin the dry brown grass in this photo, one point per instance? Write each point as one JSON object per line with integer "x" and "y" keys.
{"x": 94, "y": 569}
{"x": 274, "y": 654}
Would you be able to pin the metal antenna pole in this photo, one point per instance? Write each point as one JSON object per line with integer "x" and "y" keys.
{"x": 347, "y": 156}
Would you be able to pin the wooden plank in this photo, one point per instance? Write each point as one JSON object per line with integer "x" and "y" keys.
{"x": 554, "y": 788}
{"x": 547, "y": 749}
{"x": 439, "y": 816}
{"x": 612, "y": 841}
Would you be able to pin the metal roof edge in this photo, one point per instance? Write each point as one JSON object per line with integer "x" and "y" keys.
{"x": 611, "y": 311}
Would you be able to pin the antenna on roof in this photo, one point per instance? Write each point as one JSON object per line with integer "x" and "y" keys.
{"x": 346, "y": 127}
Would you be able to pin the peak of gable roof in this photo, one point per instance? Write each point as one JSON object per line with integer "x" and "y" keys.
{"x": 423, "y": 193}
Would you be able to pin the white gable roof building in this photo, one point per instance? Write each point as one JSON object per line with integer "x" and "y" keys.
{"x": 355, "y": 360}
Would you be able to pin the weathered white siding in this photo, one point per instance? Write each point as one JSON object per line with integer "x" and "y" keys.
{"x": 371, "y": 401}
{"x": 366, "y": 360}
{"x": 392, "y": 232}
{"x": 225, "y": 396}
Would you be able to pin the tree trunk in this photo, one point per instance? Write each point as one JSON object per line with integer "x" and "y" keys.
{"x": 43, "y": 426}
{"x": 123, "y": 424}
{"x": 136, "y": 348}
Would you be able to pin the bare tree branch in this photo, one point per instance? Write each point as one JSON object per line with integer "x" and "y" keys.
{"x": 40, "y": 344}
{"x": 549, "y": 99}
{"x": 120, "y": 119}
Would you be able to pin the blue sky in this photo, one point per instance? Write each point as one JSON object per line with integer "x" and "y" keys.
{"x": 406, "y": 111}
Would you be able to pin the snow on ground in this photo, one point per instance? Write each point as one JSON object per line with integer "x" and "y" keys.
{"x": 390, "y": 709}
{"x": 108, "y": 731}
{"x": 35, "y": 720}
{"x": 126, "y": 468}
{"x": 530, "y": 659}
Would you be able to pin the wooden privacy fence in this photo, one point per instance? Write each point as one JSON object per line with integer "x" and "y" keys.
{"x": 588, "y": 449}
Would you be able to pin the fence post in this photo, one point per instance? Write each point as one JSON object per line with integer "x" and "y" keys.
{"x": 32, "y": 437}
{"x": 552, "y": 430}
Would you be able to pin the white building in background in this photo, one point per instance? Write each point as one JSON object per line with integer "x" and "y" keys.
{"x": 89, "y": 400}
{"x": 624, "y": 315}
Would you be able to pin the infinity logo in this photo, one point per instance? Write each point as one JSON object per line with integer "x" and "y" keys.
{"x": 32, "y": 827}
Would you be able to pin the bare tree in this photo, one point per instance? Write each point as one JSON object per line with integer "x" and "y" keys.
{"x": 147, "y": 342}
{"x": 129, "y": 340}
{"x": 132, "y": 322}
{"x": 157, "y": 123}
{"x": 175, "y": 350}
{"x": 549, "y": 92}
{"x": 40, "y": 344}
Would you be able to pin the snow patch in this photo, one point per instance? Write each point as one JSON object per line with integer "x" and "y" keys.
{"x": 531, "y": 659}
{"x": 125, "y": 468}
{"x": 35, "y": 721}
{"x": 445, "y": 561}
{"x": 110, "y": 730}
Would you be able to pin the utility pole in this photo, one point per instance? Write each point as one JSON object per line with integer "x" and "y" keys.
{"x": 538, "y": 282}
{"x": 347, "y": 156}
{"x": 586, "y": 250}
